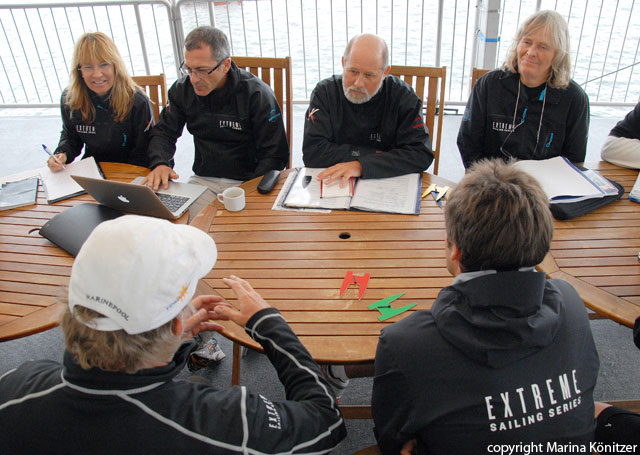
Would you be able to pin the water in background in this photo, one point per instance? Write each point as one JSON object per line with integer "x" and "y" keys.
{"x": 314, "y": 33}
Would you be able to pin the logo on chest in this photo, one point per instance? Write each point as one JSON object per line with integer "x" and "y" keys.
{"x": 503, "y": 127}
{"x": 230, "y": 124}
{"x": 375, "y": 137}
{"x": 85, "y": 129}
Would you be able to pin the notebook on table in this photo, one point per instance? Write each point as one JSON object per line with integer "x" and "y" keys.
{"x": 141, "y": 199}
{"x": 59, "y": 185}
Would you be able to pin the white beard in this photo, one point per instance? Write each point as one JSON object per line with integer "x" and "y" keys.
{"x": 359, "y": 95}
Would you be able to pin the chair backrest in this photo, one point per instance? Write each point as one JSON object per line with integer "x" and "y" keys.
{"x": 416, "y": 76}
{"x": 276, "y": 73}
{"x": 476, "y": 73}
{"x": 156, "y": 89}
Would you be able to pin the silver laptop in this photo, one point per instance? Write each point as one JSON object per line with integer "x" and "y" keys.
{"x": 141, "y": 199}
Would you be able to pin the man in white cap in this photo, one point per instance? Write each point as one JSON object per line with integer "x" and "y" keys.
{"x": 129, "y": 312}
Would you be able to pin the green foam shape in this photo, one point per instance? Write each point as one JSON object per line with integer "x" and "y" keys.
{"x": 388, "y": 312}
{"x": 385, "y": 302}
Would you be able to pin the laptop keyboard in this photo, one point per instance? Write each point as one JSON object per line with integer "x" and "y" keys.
{"x": 172, "y": 201}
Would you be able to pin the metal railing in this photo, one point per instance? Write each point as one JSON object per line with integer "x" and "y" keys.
{"x": 36, "y": 43}
{"x": 36, "y": 40}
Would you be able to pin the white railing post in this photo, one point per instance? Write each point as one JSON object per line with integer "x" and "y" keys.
{"x": 488, "y": 34}
{"x": 143, "y": 45}
{"x": 177, "y": 34}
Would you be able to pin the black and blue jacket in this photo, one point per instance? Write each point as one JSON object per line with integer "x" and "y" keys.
{"x": 54, "y": 408}
{"x": 105, "y": 139}
{"x": 488, "y": 124}
{"x": 237, "y": 129}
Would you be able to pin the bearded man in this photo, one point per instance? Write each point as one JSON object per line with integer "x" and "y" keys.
{"x": 365, "y": 123}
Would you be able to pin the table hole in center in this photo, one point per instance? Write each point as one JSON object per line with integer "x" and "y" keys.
{"x": 345, "y": 235}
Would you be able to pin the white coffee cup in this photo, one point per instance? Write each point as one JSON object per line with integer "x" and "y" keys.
{"x": 232, "y": 198}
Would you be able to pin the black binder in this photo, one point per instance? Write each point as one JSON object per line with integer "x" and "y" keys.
{"x": 70, "y": 229}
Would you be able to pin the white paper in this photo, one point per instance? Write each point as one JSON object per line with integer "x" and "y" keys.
{"x": 305, "y": 192}
{"x": 334, "y": 189}
{"x": 560, "y": 180}
{"x": 60, "y": 185}
{"x": 279, "y": 202}
{"x": 22, "y": 175}
{"x": 392, "y": 195}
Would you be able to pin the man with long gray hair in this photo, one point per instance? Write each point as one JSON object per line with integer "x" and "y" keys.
{"x": 129, "y": 317}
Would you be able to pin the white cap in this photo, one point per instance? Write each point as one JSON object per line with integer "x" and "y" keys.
{"x": 139, "y": 272}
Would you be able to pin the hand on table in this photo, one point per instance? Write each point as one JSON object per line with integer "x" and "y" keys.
{"x": 343, "y": 171}
{"x": 56, "y": 162}
{"x": 160, "y": 175}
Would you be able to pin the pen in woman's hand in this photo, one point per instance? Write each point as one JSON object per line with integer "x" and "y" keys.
{"x": 52, "y": 156}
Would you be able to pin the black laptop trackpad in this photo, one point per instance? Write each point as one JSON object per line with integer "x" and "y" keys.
{"x": 69, "y": 229}
{"x": 268, "y": 181}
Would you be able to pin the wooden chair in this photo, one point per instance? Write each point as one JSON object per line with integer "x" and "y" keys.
{"x": 415, "y": 76}
{"x": 156, "y": 89}
{"x": 629, "y": 405}
{"x": 276, "y": 73}
{"x": 476, "y": 73}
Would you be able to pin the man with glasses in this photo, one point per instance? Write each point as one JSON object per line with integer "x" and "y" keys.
{"x": 233, "y": 116}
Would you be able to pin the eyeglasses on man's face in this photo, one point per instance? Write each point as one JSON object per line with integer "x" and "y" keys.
{"x": 200, "y": 72}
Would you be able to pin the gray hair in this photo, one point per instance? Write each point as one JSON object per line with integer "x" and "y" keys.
{"x": 210, "y": 36}
{"x": 384, "y": 50}
{"x": 117, "y": 350}
{"x": 556, "y": 26}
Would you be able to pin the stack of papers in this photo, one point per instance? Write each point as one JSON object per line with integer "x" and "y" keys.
{"x": 391, "y": 195}
{"x": 564, "y": 183}
{"x": 18, "y": 193}
{"x": 60, "y": 185}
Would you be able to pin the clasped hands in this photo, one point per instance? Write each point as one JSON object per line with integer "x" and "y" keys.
{"x": 213, "y": 307}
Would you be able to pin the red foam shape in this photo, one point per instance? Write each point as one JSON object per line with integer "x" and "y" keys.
{"x": 348, "y": 280}
{"x": 362, "y": 282}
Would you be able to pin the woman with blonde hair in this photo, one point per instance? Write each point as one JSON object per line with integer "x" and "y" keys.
{"x": 103, "y": 110}
{"x": 529, "y": 109}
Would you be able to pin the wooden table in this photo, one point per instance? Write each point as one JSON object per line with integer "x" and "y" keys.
{"x": 33, "y": 271}
{"x": 297, "y": 261}
{"x": 598, "y": 252}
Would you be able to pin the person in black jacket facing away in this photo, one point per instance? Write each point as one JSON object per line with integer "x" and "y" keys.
{"x": 530, "y": 109}
{"x": 128, "y": 323}
{"x": 504, "y": 355}
{"x": 365, "y": 123}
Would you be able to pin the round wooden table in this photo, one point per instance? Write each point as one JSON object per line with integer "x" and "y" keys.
{"x": 598, "y": 252}
{"x": 33, "y": 271}
{"x": 297, "y": 261}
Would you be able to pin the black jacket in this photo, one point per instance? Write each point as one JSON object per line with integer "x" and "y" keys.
{"x": 500, "y": 358}
{"x": 336, "y": 130}
{"x": 237, "y": 129}
{"x": 628, "y": 127}
{"x": 54, "y": 409}
{"x": 106, "y": 140}
{"x": 489, "y": 118}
